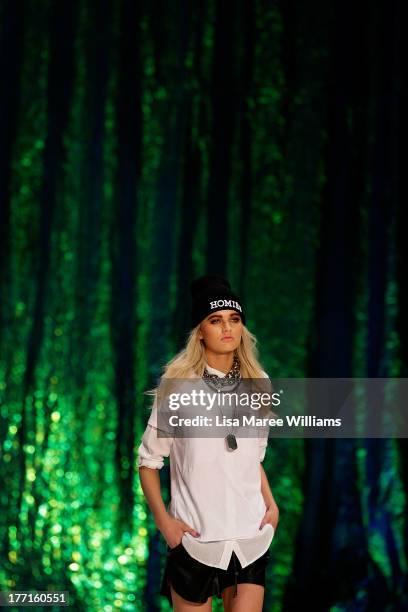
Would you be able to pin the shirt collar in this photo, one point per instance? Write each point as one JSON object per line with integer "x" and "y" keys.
{"x": 214, "y": 371}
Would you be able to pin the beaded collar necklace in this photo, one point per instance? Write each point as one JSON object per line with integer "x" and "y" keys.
{"x": 234, "y": 375}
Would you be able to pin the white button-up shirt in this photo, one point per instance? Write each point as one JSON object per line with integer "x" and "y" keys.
{"x": 215, "y": 491}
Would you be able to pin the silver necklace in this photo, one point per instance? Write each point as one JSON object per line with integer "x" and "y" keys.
{"x": 233, "y": 376}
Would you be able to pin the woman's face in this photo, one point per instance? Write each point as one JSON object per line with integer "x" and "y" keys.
{"x": 221, "y": 331}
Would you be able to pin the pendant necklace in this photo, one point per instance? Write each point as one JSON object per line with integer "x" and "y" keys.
{"x": 233, "y": 376}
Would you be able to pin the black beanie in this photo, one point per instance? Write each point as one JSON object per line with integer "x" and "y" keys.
{"x": 211, "y": 293}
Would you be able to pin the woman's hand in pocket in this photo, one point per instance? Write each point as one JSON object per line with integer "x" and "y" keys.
{"x": 271, "y": 516}
{"x": 173, "y": 530}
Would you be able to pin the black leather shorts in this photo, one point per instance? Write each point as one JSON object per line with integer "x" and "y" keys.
{"x": 195, "y": 581}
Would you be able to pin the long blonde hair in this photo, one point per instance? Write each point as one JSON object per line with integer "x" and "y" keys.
{"x": 190, "y": 360}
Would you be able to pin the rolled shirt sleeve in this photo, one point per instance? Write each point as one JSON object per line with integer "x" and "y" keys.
{"x": 263, "y": 438}
{"x": 153, "y": 449}
{"x": 263, "y": 443}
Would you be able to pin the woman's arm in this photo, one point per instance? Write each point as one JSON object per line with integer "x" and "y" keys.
{"x": 272, "y": 510}
{"x": 172, "y": 529}
{"x": 150, "y": 483}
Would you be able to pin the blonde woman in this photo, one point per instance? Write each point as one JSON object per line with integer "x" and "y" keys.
{"x": 222, "y": 515}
